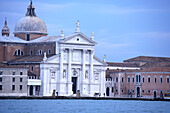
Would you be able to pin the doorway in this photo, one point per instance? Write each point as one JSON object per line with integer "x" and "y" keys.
{"x": 154, "y": 94}
{"x": 107, "y": 91}
{"x": 74, "y": 85}
{"x": 31, "y": 90}
{"x": 138, "y": 92}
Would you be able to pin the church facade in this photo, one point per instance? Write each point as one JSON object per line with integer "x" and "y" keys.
{"x": 65, "y": 64}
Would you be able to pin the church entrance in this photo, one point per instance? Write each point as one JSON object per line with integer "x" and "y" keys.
{"x": 154, "y": 94}
{"x": 138, "y": 92}
{"x": 31, "y": 90}
{"x": 74, "y": 85}
{"x": 107, "y": 91}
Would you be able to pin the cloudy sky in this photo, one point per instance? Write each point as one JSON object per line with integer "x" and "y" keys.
{"x": 123, "y": 28}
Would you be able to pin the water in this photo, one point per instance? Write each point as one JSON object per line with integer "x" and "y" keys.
{"x": 84, "y": 106}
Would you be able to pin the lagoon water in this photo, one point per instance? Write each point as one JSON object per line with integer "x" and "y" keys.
{"x": 83, "y": 106}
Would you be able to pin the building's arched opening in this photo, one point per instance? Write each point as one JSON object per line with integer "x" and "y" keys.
{"x": 154, "y": 94}
{"x": 138, "y": 92}
{"x": 31, "y": 90}
{"x": 107, "y": 91}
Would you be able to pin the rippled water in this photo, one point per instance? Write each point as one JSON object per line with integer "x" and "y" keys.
{"x": 85, "y": 106}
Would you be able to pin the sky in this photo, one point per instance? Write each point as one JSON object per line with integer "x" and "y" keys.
{"x": 123, "y": 29}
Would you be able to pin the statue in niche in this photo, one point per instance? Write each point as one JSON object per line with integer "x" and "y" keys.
{"x": 86, "y": 75}
{"x": 74, "y": 72}
{"x": 64, "y": 74}
{"x": 52, "y": 75}
{"x": 96, "y": 76}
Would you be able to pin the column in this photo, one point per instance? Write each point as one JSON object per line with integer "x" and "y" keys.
{"x": 28, "y": 90}
{"x": 119, "y": 84}
{"x": 61, "y": 64}
{"x": 33, "y": 90}
{"x": 91, "y": 71}
{"x": 83, "y": 65}
{"x": 83, "y": 70}
{"x": 61, "y": 72}
{"x": 43, "y": 78}
{"x": 69, "y": 86}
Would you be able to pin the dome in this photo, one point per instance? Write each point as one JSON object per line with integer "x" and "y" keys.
{"x": 30, "y": 24}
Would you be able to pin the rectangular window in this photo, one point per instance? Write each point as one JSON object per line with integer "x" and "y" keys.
{"x": 13, "y": 73}
{"x": 139, "y": 78}
{"x": 116, "y": 90}
{"x": 13, "y": 79}
{"x": 136, "y": 78}
{"x": 13, "y": 87}
{"x": 149, "y": 91}
{"x": 167, "y": 80}
{"x": 143, "y": 79}
{"x": 122, "y": 90}
{"x": 20, "y": 79}
{"x": 155, "y": 79}
{"x": 0, "y": 79}
{"x": 21, "y": 73}
{"x": 132, "y": 79}
{"x": 128, "y": 79}
{"x": 143, "y": 91}
{"x": 112, "y": 89}
{"x": 28, "y": 37}
{"x": 0, "y": 87}
{"x": 160, "y": 79}
{"x": 122, "y": 79}
{"x": 20, "y": 87}
{"x": 1, "y": 72}
{"x": 149, "y": 79}
{"x": 116, "y": 79}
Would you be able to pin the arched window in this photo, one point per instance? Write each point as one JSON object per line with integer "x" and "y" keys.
{"x": 39, "y": 52}
{"x": 49, "y": 51}
{"x": 19, "y": 52}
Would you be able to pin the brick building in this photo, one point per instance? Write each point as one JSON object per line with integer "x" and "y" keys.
{"x": 150, "y": 79}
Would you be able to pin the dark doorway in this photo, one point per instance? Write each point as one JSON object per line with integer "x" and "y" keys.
{"x": 154, "y": 94}
{"x": 138, "y": 92}
{"x": 107, "y": 91}
{"x": 31, "y": 90}
{"x": 74, "y": 85}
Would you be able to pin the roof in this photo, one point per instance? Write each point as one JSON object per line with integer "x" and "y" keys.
{"x": 10, "y": 66}
{"x": 28, "y": 59}
{"x": 156, "y": 64}
{"x": 152, "y": 69}
{"x": 12, "y": 39}
{"x": 116, "y": 64}
{"x": 46, "y": 39}
{"x": 148, "y": 59}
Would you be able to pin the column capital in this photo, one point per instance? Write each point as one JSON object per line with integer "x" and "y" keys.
{"x": 84, "y": 50}
{"x": 92, "y": 50}
{"x": 70, "y": 49}
{"x": 62, "y": 49}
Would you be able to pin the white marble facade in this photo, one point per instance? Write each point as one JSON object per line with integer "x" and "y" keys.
{"x": 73, "y": 68}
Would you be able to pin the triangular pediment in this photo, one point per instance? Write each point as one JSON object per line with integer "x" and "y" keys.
{"x": 97, "y": 61}
{"x": 52, "y": 59}
{"x": 78, "y": 38}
